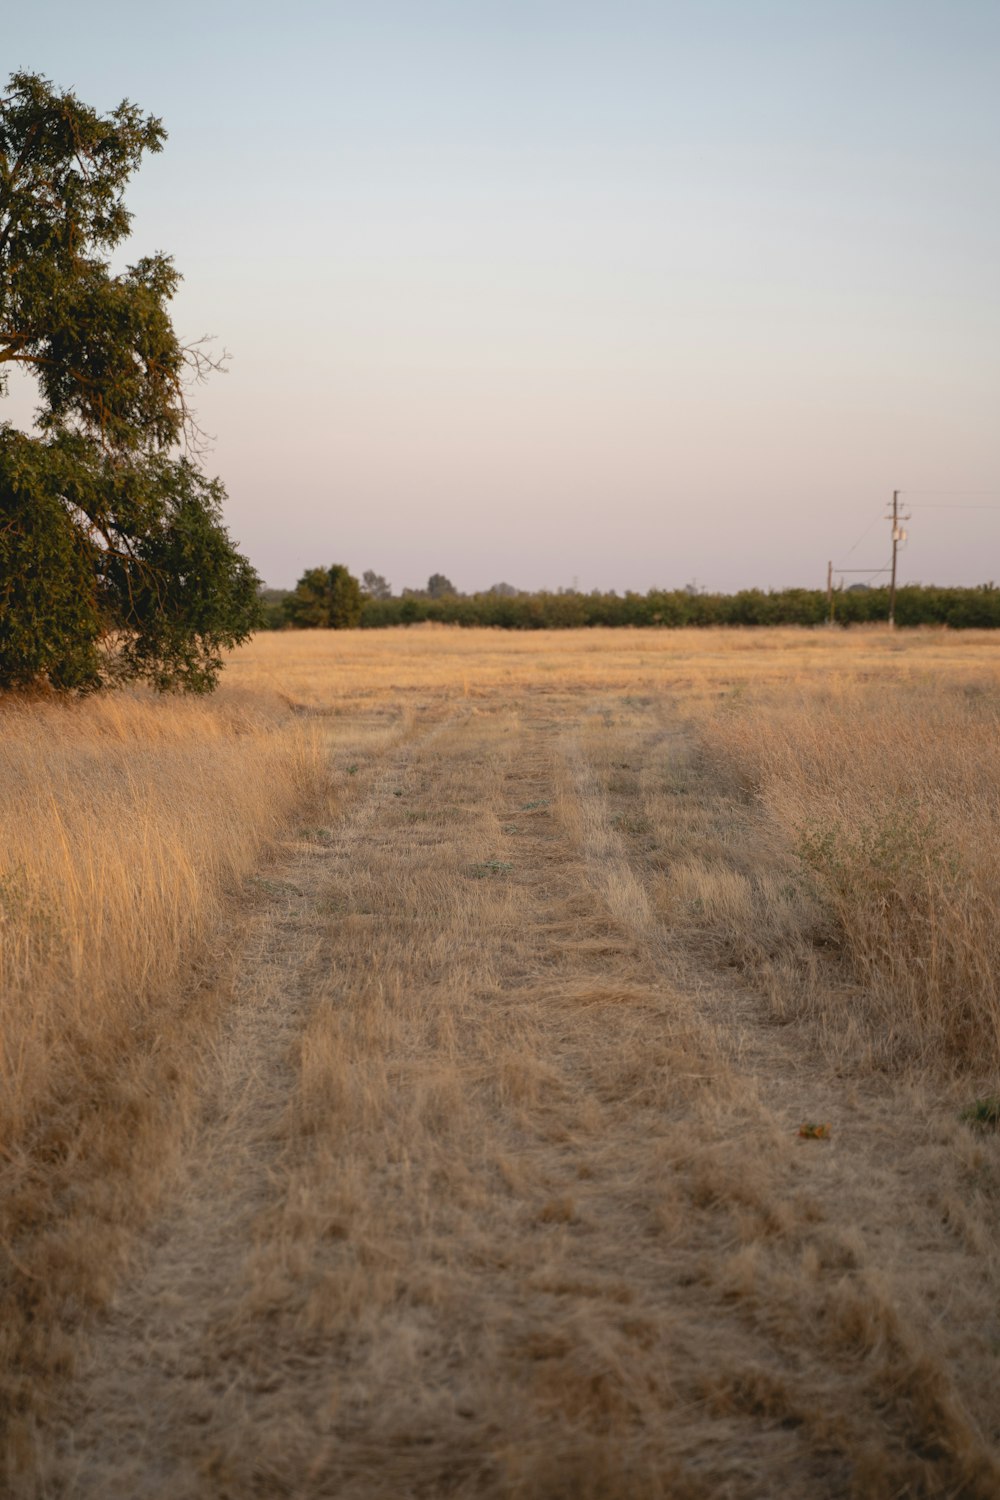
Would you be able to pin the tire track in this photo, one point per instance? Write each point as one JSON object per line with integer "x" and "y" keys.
{"x": 152, "y": 1365}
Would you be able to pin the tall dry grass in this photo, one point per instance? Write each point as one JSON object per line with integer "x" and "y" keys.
{"x": 890, "y": 798}
{"x": 125, "y": 825}
{"x": 856, "y": 821}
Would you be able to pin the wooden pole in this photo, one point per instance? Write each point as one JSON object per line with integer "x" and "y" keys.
{"x": 895, "y": 546}
{"x": 829, "y": 592}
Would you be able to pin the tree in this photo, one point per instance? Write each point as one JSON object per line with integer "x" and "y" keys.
{"x": 114, "y": 560}
{"x": 374, "y": 586}
{"x": 272, "y": 607}
{"x": 325, "y": 599}
{"x": 439, "y": 587}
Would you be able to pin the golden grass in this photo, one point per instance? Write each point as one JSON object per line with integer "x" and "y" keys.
{"x": 883, "y": 807}
{"x": 491, "y": 1183}
{"x": 341, "y": 671}
{"x": 123, "y": 823}
{"x": 867, "y": 764}
{"x": 125, "y": 826}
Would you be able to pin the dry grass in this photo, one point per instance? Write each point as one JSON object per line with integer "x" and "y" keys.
{"x": 881, "y": 809}
{"x": 851, "y": 779}
{"x": 496, "y": 1187}
{"x": 371, "y": 668}
{"x": 124, "y": 821}
{"x": 125, "y": 826}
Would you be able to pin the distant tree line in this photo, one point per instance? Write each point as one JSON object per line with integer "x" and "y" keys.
{"x": 332, "y": 598}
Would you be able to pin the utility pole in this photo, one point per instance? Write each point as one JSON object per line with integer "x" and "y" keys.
{"x": 898, "y": 535}
{"x": 829, "y": 592}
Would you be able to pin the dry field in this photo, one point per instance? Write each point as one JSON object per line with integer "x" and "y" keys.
{"x": 405, "y": 1054}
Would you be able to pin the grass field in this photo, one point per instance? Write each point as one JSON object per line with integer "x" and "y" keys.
{"x": 405, "y": 1054}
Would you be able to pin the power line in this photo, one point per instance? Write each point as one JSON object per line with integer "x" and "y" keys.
{"x": 864, "y": 534}
{"x": 852, "y": 572}
{"x": 895, "y": 517}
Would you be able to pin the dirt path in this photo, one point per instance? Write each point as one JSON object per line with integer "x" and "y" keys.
{"x": 497, "y": 1192}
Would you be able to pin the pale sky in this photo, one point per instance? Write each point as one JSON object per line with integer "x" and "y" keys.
{"x": 534, "y": 291}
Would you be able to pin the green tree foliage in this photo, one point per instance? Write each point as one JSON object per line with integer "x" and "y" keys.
{"x": 272, "y": 608}
{"x": 957, "y": 608}
{"x": 114, "y": 560}
{"x": 325, "y": 599}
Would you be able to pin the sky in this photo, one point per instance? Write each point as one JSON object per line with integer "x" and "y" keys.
{"x": 558, "y": 292}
